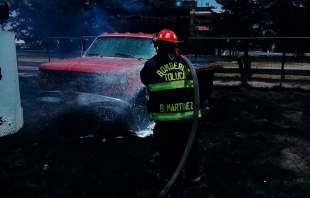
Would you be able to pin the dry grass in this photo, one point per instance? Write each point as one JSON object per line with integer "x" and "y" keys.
{"x": 264, "y": 64}
{"x": 263, "y": 76}
{"x": 256, "y": 144}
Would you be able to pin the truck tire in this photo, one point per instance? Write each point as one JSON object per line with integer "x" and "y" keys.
{"x": 138, "y": 118}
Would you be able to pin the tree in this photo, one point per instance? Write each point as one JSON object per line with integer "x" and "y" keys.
{"x": 287, "y": 18}
{"x": 163, "y": 3}
{"x": 46, "y": 18}
{"x": 241, "y": 18}
{"x": 276, "y": 18}
{"x": 43, "y": 18}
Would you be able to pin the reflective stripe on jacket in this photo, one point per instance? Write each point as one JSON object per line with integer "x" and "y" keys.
{"x": 171, "y": 85}
{"x": 173, "y": 116}
{"x": 171, "y": 89}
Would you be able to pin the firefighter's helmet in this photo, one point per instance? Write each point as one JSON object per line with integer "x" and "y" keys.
{"x": 167, "y": 35}
{"x": 167, "y": 40}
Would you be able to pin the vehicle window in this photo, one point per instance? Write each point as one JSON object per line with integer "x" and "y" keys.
{"x": 127, "y": 47}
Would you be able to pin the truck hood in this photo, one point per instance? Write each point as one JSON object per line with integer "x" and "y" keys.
{"x": 94, "y": 64}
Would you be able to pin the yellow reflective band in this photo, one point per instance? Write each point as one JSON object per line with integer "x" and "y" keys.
{"x": 173, "y": 116}
{"x": 172, "y": 85}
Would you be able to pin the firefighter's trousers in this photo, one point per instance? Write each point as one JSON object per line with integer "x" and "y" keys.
{"x": 170, "y": 139}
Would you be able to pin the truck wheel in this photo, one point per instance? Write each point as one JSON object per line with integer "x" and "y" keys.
{"x": 138, "y": 118}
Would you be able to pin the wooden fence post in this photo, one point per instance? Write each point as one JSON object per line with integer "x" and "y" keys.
{"x": 241, "y": 70}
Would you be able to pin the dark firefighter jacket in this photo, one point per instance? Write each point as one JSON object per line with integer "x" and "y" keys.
{"x": 171, "y": 88}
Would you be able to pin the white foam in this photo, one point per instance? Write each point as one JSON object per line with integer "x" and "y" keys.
{"x": 146, "y": 132}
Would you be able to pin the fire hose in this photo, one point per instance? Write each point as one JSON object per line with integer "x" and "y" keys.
{"x": 192, "y": 133}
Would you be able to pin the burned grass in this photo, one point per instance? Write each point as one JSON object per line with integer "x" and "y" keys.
{"x": 256, "y": 143}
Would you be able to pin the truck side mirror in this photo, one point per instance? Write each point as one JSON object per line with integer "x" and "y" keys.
{"x": 4, "y": 10}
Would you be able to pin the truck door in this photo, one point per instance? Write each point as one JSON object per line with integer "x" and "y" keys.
{"x": 11, "y": 112}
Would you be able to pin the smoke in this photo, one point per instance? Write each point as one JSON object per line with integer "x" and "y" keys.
{"x": 97, "y": 20}
{"x": 137, "y": 8}
{"x": 46, "y": 19}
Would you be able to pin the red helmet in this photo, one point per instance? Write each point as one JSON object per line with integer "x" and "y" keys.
{"x": 167, "y": 35}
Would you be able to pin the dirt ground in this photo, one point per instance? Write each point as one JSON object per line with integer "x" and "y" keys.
{"x": 256, "y": 144}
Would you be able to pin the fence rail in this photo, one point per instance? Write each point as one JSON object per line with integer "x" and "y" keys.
{"x": 283, "y": 61}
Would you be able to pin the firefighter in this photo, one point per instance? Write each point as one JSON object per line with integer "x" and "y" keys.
{"x": 170, "y": 106}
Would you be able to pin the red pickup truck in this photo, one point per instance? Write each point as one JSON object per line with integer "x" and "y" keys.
{"x": 105, "y": 81}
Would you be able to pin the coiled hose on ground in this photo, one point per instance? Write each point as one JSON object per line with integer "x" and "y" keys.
{"x": 192, "y": 134}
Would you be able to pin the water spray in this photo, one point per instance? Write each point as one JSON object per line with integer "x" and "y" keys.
{"x": 192, "y": 134}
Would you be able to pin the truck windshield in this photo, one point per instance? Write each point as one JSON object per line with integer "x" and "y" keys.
{"x": 122, "y": 46}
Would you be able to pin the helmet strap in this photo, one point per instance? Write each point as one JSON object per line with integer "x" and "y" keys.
{"x": 176, "y": 51}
